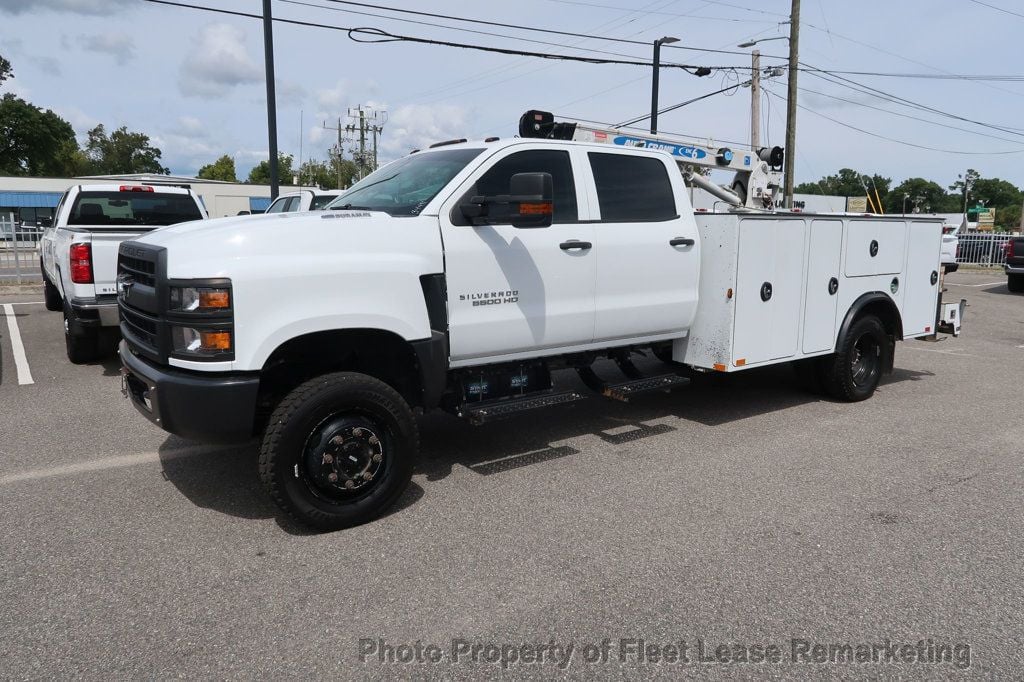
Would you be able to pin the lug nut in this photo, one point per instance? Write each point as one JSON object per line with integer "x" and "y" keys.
{"x": 328, "y": 458}
{"x": 332, "y": 477}
{"x": 350, "y": 484}
{"x": 337, "y": 440}
{"x": 374, "y": 440}
{"x": 378, "y": 457}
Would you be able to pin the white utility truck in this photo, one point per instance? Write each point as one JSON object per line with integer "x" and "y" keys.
{"x": 462, "y": 276}
{"x": 78, "y": 254}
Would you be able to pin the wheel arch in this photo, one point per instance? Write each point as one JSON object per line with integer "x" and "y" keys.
{"x": 885, "y": 309}
{"x": 416, "y": 369}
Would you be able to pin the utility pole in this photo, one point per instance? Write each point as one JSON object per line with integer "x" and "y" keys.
{"x": 339, "y": 149}
{"x": 755, "y": 100}
{"x": 794, "y": 63}
{"x": 366, "y": 121}
{"x": 268, "y": 53}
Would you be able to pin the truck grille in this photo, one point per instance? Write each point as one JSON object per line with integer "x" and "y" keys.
{"x": 140, "y": 293}
{"x": 143, "y": 271}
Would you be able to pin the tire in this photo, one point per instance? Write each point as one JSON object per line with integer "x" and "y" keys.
{"x": 51, "y": 296}
{"x": 83, "y": 346}
{"x": 301, "y": 464}
{"x": 1015, "y": 283}
{"x": 950, "y": 267}
{"x": 664, "y": 354}
{"x": 852, "y": 373}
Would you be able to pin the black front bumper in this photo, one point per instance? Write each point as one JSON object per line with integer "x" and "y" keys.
{"x": 215, "y": 407}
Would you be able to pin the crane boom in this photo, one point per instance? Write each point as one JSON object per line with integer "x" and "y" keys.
{"x": 757, "y": 173}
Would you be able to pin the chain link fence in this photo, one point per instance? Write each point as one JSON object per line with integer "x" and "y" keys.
{"x": 19, "y": 251}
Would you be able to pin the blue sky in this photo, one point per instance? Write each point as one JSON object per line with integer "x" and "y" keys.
{"x": 193, "y": 80}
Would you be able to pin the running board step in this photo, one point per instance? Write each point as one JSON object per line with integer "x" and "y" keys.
{"x": 480, "y": 413}
{"x": 625, "y": 390}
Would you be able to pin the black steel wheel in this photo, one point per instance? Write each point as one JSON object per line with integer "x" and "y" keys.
{"x": 339, "y": 450}
{"x": 852, "y": 373}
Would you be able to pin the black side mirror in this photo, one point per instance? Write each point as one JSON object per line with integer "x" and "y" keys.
{"x": 528, "y": 204}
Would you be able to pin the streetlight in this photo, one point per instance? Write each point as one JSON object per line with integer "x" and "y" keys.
{"x": 654, "y": 83}
{"x": 905, "y": 197}
{"x": 751, "y": 43}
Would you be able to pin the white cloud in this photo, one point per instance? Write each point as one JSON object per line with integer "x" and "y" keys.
{"x": 335, "y": 99}
{"x": 217, "y": 62}
{"x": 120, "y": 46}
{"x": 419, "y": 125}
{"x": 90, "y": 7}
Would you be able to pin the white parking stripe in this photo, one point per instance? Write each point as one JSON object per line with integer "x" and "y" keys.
{"x": 20, "y": 359}
{"x": 986, "y": 284}
{"x": 27, "y": 303}
{"x": 101, "y": 464}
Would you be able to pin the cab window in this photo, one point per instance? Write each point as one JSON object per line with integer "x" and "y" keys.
{"x": 554, "y": 161}
{"x": 632, "y": 189}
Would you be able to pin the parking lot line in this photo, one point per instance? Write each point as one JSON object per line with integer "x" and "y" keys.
{"x": 986, "y": 284}
{"x": 102, "y": 464}
{"x": 17, "y": 347}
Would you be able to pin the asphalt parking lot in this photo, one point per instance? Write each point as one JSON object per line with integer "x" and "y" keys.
{"x": 743, "y": 512}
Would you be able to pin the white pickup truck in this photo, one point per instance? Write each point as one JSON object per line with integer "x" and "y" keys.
{"x": 463, "y": 276}
{"x": 78, "y": 254}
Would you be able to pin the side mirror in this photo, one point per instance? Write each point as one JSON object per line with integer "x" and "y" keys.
{"x": 528, "y": 204}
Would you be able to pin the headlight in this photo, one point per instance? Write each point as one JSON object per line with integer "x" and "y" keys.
{"x": 201, "y": 299}
{"x": 206, "y": 343}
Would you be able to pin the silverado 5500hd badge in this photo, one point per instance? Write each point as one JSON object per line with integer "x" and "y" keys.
{"x": 491, "y": 297}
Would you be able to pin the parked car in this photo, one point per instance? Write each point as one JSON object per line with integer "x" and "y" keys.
{"x": 304, "y": 200}
{"x": 1014, "y": 267}
{"x": 79, "y": 254}
{"x": 950, "y": 243}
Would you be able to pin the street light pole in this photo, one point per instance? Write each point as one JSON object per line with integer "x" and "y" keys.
{"x": 654, "y": 81}
{"x": 794, "y": 62}
{"x": 268, "y": 53}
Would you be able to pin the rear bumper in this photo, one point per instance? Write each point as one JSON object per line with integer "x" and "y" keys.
{"x": 98, "y": 311}
{"x": 215, "y": 407}
{"x": 1013, "y": 269}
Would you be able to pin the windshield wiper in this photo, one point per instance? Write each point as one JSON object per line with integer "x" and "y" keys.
{"x": 345, "y": 207}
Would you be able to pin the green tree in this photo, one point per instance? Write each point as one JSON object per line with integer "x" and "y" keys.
{"x": 335, "y": 173}
{"x": 924, "y": 195}
{"x": 221, "y": 169}
{"x": 5, "y": 70}
{"x": 996, "y": 193}
{"x": 260, "y": 173}
{"x": 964, "y": 186}
{"x": 846, "y": 183}
{"x": 34, "y": 141}
{"x": 1008, "y": 218}
{"x": 122, "y": 152}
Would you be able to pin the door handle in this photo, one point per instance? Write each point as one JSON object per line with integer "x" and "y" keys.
{"x": 681, "y": 241}
{"x": 573, "y": 244}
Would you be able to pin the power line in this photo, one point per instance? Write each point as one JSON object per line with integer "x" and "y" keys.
{"x": 1000, "y": 9}
{"x": 680, "y": 105}
{"x": 663, "y": 13}
{"x": 521, "y": 27}
{"x": 894, "y": 140}
{"x": 376, "y": 35}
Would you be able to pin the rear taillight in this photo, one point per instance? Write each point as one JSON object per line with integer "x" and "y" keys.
{"x": 948, "y": 229}
{"x": 81, "y": 263}
{"x": 1008, "y": 248}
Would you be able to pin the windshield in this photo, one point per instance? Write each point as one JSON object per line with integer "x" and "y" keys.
{"x": 133, "y": 208}
{"x": 404, "y": 187}
{"x": 321, "y": 200}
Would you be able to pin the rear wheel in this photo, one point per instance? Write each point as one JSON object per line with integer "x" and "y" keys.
{"x": 1015, "y": 283}
{"x": 339, "y": 450}
{"x": 51, "y": 296}
{"x": 852, "y": 373}
{"x": 82, "y": 344}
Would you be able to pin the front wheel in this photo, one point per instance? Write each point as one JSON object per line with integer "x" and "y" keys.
{"x": 852, "y": 373}
{"x": 1015, "y": 283}
{"x": 339, "y": 450}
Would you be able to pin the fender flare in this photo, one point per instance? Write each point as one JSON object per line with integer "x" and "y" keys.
{"x": 874, "y": 299}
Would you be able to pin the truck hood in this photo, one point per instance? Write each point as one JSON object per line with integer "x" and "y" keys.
{"x": 244, "y": 246}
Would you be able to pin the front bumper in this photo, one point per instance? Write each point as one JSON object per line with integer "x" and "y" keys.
{"x": 99, "y": 311}
{"x": 215, "y": 407}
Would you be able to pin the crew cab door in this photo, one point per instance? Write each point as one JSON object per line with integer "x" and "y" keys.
{"x": 647, "y": 247}
{"x": 518, "y": 290}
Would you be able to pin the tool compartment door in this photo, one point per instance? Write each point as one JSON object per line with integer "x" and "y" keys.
{"x": 823, "y": 277}
{"x": 920, "y": 302}
{"x": 875, "y": 247}
{"x": 769, "y": 285}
